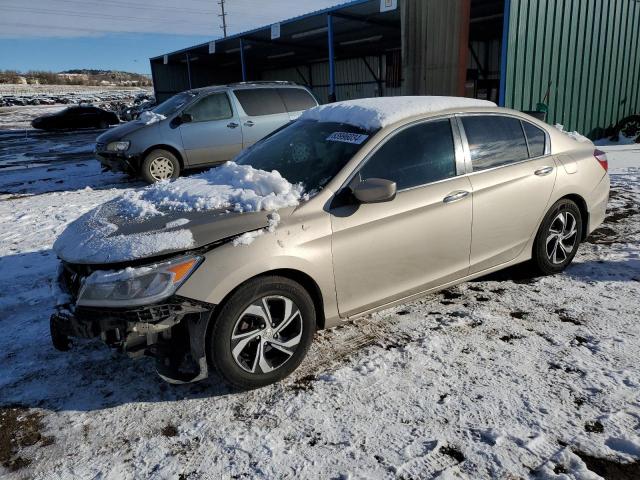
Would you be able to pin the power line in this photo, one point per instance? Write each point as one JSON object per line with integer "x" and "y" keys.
{"x": 224, "y": 18}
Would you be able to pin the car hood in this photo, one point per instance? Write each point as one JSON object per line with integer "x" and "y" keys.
{"x": 103, "y": 236}
{"x": 121, "y": 131}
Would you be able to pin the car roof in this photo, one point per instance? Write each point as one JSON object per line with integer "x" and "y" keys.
{"x": 381, "y": 112}
{"x": 245, "y": 85}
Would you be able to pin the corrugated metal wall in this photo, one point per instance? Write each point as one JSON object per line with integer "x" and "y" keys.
{"x": 435, "y": 35}
{"x": 587, "y": 52}
{"x": 353, "y": 78}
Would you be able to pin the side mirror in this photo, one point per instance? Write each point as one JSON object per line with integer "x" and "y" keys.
{"x": 375, "y": 190}
{"x": 186, "y": 118}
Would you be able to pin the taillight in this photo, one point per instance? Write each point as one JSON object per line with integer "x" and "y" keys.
{"x": 601, "y": 157}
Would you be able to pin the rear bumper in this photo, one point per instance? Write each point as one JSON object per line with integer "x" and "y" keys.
{"x": 173, "y": 333}
{"x": 598, "y": 204}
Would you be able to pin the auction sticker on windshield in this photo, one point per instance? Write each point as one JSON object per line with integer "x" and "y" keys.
{"x": 346, "y": 137}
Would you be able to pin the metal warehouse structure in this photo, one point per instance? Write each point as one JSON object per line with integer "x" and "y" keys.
{"x": 579, "y": 57}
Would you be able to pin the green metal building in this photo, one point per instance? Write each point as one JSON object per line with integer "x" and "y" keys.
{"x": 584, "y": 53}
{"x": 580, "y": 58}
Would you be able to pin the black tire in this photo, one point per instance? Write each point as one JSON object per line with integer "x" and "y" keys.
{"x": 159, "y": 155}
{"x": 231, "y": 319}
{"x": 544, "y": 260}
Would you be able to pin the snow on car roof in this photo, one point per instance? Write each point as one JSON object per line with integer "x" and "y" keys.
{"x": 375, "y": 113}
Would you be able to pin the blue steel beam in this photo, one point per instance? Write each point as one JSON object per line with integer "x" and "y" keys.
{"x": 244, "y": 66}
{"x": 332, "y": 65}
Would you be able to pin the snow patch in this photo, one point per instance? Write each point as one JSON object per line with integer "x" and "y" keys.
{"x": 575, "y": 135}
{"x": 177, "y": 223}
{"x": 375, "y": 113}
{"x": 148, "y": 117}
{"x": 247, "y": 238}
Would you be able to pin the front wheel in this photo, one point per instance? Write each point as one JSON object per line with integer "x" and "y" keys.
{"x": 558, "y": 238}
{"x": 263, "y": 332}
{"x": 160, "y": 165}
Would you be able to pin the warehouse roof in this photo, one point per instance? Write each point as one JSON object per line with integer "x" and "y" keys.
{"x": 357, "y": 25}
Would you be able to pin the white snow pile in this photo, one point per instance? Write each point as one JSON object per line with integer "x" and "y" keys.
{"x": 93, "y": 239}
{"x": 240, "y": 188}
{"x": 148, "y": 117}
{"x": 575, "y": 135}
{"x": 375, "y": 113}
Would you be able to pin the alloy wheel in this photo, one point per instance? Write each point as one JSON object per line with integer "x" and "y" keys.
{"x": 266, "y": 334}
{"x": 161, "y": 168}
{"x": 562, "y": 237}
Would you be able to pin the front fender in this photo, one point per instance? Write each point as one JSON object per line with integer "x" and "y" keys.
{"x": 305, "y": 248}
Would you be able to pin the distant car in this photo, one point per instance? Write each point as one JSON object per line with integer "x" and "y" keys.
{"x": 76, "y": 117}
{"x": 201, "y": 127}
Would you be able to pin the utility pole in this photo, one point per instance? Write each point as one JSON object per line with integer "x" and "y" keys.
{"x": 224, "y": 18}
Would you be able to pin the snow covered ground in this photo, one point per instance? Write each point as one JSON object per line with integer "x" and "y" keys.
{"x": 505, "y": 377}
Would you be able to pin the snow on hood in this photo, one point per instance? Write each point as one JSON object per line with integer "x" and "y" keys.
{"x": 92, "y": 238}
{"x": 175, "y": 216}
{"x": 148, "y": 117}
{"x": 375, "y": 113}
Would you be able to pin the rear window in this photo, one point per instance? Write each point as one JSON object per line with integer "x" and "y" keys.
{"x": 536, "y": 139}
{"x": 494, "y": 141}
{"x": 296, "y": 99}
{"x": 260, "y": 101}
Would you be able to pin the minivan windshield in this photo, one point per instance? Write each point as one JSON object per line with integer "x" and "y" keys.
{"x": 307, "y": 152}
{"x": 173, "y": 104}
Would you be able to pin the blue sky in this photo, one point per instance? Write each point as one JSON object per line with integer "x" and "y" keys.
{"x": 122, "y": 34}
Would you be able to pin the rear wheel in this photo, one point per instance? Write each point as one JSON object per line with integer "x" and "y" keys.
{"x": 160, "y": 165}
{"x": 263, "y": 332}
{"x": 558, "y": 238}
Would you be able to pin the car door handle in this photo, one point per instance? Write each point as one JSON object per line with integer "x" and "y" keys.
{"x": 232, "y": 125}
{"x": 455, "y": 196}
{"x": 249, "y": 123}
{"x": 544, "y": 171}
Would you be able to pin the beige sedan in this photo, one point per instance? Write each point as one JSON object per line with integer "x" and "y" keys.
{"x": 407, "y": 196}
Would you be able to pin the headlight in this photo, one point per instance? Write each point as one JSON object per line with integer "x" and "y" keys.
{"x": 118, "y": 146}
{"x": 136, "y": 286}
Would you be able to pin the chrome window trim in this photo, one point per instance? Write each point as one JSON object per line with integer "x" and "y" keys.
{"x": 457, "y": 143}
{"x": 459, "y": 116}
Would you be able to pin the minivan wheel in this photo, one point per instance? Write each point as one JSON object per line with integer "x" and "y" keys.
{"x": 262, "y": 332}
{"x": 558, "y": 238}
{"x": 160, "y": 165}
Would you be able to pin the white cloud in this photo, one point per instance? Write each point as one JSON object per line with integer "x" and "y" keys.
{"x": 80, "y": 18}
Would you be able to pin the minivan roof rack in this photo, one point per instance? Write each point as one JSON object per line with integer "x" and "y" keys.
{"x": 262, "y": 82}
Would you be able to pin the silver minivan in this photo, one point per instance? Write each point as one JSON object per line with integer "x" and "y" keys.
{"x": 200, "y": 128}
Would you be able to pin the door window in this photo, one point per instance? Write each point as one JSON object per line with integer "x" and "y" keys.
{"x": 415, "y": 156}
{"x": 260, "y": 101}
{"x": 211, "y": 108}
{"x": 296, "y": 99}
{"x": 494, "y": 140}
{"x": 536, "y": 139}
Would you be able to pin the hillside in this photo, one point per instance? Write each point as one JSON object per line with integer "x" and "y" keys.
{"x": 87, "y": 77}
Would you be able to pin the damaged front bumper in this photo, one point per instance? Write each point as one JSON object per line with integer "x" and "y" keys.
{"x": 118, "y": 162}
{"x": 174, "y": 333}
